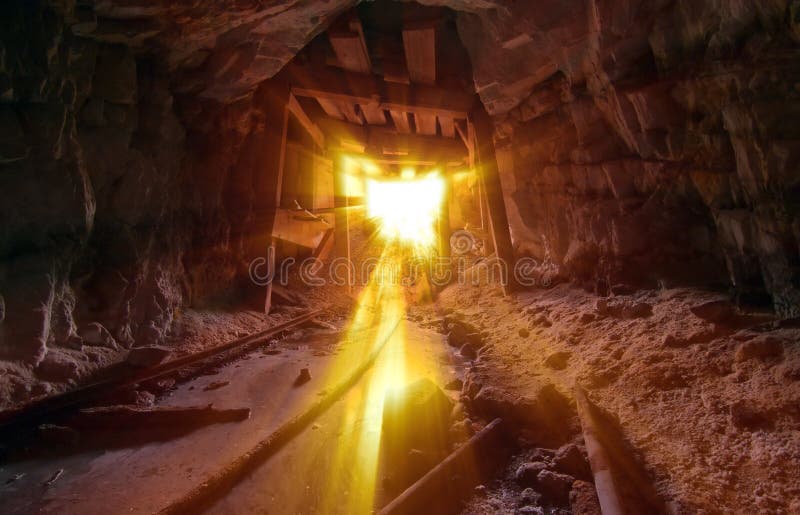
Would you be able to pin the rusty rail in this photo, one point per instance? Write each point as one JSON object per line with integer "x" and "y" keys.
{"x": 51, "y": 406}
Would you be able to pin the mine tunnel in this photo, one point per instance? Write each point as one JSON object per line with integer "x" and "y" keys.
{"x": 383, "y": 256}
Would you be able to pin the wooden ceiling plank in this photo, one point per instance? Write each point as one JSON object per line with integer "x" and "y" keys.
{"x": 420, "y": 47}
{"x": 330, "y": 107}
{"x": 400, "y": 119}
{"x": 350, "y": 47}
{"x": 448, "y": 126}
{"x": 374, "y": 114}
{"x": 426, "y": 124}
{"x": 332, "y": 84}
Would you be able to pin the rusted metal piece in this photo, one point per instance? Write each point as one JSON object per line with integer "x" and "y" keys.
{"x": 600, "y": 462}
{"x": 37, "y": 413}
{"x": 447, "y": 484}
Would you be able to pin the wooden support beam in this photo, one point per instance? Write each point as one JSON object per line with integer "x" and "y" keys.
{"x": 420, "y": 47}
{"x": 313, "y": 130}
{"x": 448, "y": 126}
{"x": 426, "y": 124}
{"x": 269, "y": 147}
{"x": 350, "y": 46}
{"x": 490, "y": 181}
{"x": 330, "y": 84}
{"x": 342, "y": 218}
{"x": 383, "y": 142}
{"x": 350, "y": 113}
{"x": 374, "y": 114}
{"x": 400, "y": 119}
{"x": 331, "y": 108}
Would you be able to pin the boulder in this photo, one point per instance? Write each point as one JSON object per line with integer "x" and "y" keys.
{"x": 571, "y": 460}
{"x": 558, "y": 360}
{"x": 527, "y": 474}
{"x": 555, "y": 487}
{"x": 57, "y": 368}
{"x": 96, "y": 334}
{"x": 146, "y": 357}
{"x": 763, "y": 348}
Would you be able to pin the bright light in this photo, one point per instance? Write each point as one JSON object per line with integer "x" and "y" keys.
{"x": 406, "y": 210}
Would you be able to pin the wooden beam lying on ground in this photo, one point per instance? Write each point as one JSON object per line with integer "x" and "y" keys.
{"x": 131, "y": 418}
{"x": 454, "y": 479}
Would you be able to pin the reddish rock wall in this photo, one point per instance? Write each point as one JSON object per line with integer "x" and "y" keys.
{"x": 649, "y": 141}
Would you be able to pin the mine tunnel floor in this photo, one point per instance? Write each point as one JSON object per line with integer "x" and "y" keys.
{"x": 703, "y": 396}
{"x": 316, "y": 468}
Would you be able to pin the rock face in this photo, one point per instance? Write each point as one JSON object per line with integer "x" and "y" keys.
{"x": 637, "y": 143}
{"x": 646, "y": 143}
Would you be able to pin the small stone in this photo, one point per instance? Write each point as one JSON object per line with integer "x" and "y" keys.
{"x": 530, "y": 496}
{"x": 456, "y": 385}
{"x": 469, "y": 351}
{"x": 74, "y": 342}
{"x": 216, "y": 385}
{"x": 145, "y": 357}
{"x": 555, "y": 486}
{"x": 570, "y": 460}
{"x": 96, "y": 334}
{"x": 638, "y": 310}
{"x": 527, "y": 474}
{"x": 57, "y": 368}
{"x": 558, "y": 360}
{"x": 671, "y": 340}
{"x": 303, "y": 377}
{"x": 745, "y": 414}
{"x": 480, "y": 491}
{"x": 761, "y": 348}
{"x": 718, "y": 312}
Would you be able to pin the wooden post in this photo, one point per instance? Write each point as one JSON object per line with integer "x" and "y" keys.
{"x": 490, "y": 182}
{"x": 277, "y": 111}
{"x": 341, "y": 215}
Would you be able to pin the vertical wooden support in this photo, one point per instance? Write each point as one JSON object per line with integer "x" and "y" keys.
{"x": 277, "y": 110}
{"x": 492, "y": 189}
{"x": 342, "y": 216}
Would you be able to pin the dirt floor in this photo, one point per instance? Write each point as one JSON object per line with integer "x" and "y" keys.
{"x": 708, "y": 398}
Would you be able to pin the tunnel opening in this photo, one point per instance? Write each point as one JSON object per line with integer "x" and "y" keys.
{"x": 351, "y": 256}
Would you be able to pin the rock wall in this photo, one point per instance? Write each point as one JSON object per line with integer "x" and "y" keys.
{"x": 649, "y": 141}
{"x": 126, "y": 192}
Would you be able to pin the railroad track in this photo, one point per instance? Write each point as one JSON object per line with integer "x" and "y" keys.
{"x": 52, "y": 407}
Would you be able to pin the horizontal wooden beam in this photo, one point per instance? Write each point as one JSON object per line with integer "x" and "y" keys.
{"x": 330, "y": 84}
{"x": 389, "y": 144}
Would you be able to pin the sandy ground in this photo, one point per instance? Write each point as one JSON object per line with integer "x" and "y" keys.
{"x": 713, "y": 408}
